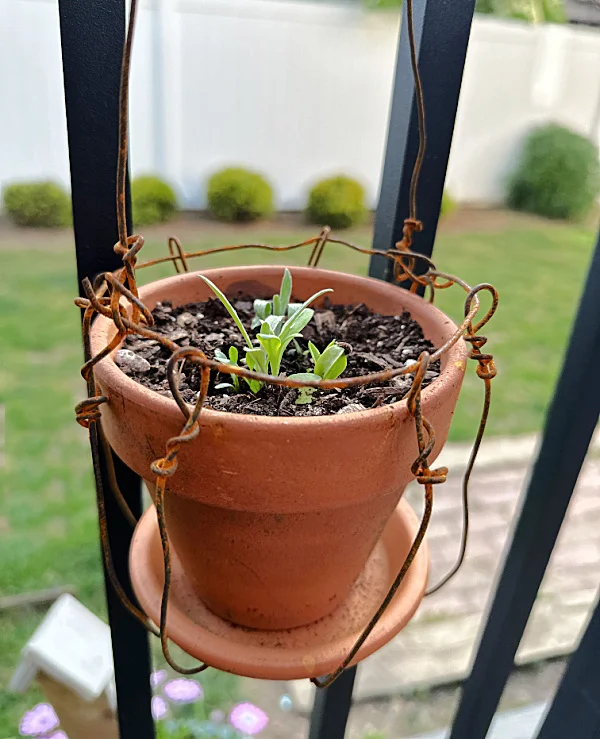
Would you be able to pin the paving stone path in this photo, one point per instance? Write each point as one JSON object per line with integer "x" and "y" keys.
{"x": 437, "y": 646}
{"x": 520, "y": 724}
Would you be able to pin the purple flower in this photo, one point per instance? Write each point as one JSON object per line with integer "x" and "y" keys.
{"x": 159, "y": 707}
{"x": 248, "y": 719}
{"x": 183, "y": 691}
{"x": 158, "y": 677}
{"x": 41, "y": 719}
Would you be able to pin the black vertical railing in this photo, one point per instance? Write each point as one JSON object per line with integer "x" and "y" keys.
{"x": 575, "y": 711}
{"x": 570, "y": 424}
{"x": 92, "y": 34}
{"x": 442, "y": 29}
{"x": 332, "y": 708}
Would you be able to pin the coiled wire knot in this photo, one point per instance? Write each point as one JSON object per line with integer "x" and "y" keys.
{"x": 88, "y": 410}
{"x": 486, "y": 368}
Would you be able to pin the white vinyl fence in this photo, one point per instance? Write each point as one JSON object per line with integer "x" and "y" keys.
{"x": 293, "y": 89}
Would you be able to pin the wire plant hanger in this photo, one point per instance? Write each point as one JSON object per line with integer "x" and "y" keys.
{"x": 115, "y": 295}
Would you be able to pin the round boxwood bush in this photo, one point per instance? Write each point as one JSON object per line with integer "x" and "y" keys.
{"x": 448, "y": 204}
{"x": 236, "y": 194}
{"x": 152, "y": 200}
{"x": 338, "y": 202}
{"x": 40, "y": 204}
{"x": 558, "y": 175}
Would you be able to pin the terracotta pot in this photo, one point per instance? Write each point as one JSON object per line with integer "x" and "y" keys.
{"x": 274, "y": 518}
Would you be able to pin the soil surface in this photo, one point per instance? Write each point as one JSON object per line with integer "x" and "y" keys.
{"x": 373, "y": 342}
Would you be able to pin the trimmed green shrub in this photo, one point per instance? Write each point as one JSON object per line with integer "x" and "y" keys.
{"x": 448, "y": 204}
{"x": 383, "y": 4}
{"x": 152, "y": 200}
{"x": 533, "y": 11}
{"x": 558, "y": 175}
{"x": 338, "y": 202}
{"x": 236, "y": 194}
{"x": 40, "y": 204}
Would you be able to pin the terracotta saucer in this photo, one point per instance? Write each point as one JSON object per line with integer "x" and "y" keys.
{"x": 307, "y": 651}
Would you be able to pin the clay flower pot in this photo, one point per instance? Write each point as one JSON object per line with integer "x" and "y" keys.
{"x": 273, "y": 519}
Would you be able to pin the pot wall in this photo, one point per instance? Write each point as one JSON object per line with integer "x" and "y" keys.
{"x": 275, "y": 517}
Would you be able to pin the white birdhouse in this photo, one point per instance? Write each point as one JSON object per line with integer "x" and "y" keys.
{"x": 70, "y": 655}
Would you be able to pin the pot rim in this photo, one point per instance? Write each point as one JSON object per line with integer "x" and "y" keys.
{"x": 108, "y": 373}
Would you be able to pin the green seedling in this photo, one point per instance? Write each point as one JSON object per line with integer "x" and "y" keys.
{"x": 265, "y": 353}
{"x": 232, "y": 359}
{"x": 279, "y": 305}
{"x": 329, "y": 365}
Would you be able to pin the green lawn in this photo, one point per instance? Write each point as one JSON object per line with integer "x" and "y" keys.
{"x": 48, "y": 531}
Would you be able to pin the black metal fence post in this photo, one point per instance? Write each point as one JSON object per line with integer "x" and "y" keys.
{"x": 575, "y": 710}
{"x": 92, "y": 36}
{"x": 332, "y": 708}
{"x": 570, "y": 424}
{"x": 442, "y": 29}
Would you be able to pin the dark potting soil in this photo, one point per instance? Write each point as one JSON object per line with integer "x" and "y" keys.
{"x": 373, "y": 342}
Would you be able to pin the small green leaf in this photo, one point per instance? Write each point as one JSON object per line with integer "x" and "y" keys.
{"x": 331, "y": 354}
{"x": 254, "y": 360}
{"x": 314, "y": 352}
{"x": 262, "y": 308}
{"x": 305, "y": 393}
{"x": 337, "y": 368}
{"x": 274, "y": 349}
{"x": 269, "y": 342}
{"x": 315, "y": 296}
{"x": 293, "y": 308}
{"x": 232, "y": 359}
{"x": 285, "y": 293}
{"x": 257, "y": 359}
{"x": 294, "y": 325}
{"x": 230, "y": 309}
{"x": 305, "y": 376}
{"x": 272, "y": 325}
{"x": 224, "y": 386}
{"x": 254, "y": 385}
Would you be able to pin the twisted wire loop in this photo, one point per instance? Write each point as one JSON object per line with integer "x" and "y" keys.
{"x": 486, "y": 370}
{"x": 115, "y": 296}
{"x": 164, "y": 468}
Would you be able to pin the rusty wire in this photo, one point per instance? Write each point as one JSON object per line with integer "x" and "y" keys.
{"x": 115, "y": 296}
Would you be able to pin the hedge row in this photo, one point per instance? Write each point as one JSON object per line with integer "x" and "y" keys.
{"x": 234, "y": 195}
{"x": 558, "y": 176}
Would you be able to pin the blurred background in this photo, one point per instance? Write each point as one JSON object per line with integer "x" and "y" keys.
{"x": 285, "y": 100}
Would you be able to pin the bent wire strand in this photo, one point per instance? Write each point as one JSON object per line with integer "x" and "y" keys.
{"x": 115, "y": 296}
